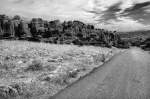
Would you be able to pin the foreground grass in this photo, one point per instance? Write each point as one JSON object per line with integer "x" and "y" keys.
{"x": 37, "y": 70}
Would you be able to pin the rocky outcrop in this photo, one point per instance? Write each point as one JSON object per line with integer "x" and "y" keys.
{"x": 7, "y": 26}
{"x": 24, "y": 30}
{"x": 1, "y": 31}
{"x": 16, "y": 27}
{"x": 37, "y": 27}
{"x": 68, "y": 32}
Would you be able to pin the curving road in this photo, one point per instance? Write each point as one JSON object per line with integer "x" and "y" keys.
{"x": 126, "y": 76}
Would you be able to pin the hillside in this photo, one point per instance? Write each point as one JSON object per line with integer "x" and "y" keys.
{"x": 135, "y": 34}
{"x": 37, "y": 70}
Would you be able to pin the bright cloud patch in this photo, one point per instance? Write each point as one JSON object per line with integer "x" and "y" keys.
{"x": 48, "y": 9}
{"x": 109, "y": 14}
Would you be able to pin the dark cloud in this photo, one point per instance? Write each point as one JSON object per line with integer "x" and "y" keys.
{"x": 109, "y": 14}
{"x": 137, "y": 6}
{"x": 138, "y": 12}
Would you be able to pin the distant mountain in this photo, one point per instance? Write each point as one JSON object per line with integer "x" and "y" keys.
{"x": 135, "y": 34}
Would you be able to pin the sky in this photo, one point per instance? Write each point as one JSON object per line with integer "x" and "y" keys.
{"x": 120, "y": 15}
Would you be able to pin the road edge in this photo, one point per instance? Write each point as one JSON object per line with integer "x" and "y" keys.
{"x": 91, "y": 72}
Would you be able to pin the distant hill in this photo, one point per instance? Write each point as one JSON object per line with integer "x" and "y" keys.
{"x": 137, "y": 38}
{"x": 135, "y": 34}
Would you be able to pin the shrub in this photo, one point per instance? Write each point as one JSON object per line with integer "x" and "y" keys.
{"x": 99, "y": 58}
{"x": 18, "y": 87}
{"x": 35, "y": 65}
{"x": 103, "y": 58}
{"x": 50, "y": 67}
{"x": 60, "y": 79}
{"x": 7, "y": 92}
{"x": 72, "y": 73}
{"x": 63, "y": 76}
{"x": 7, "y": 65}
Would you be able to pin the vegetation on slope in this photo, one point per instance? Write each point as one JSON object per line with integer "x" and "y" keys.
{"x": 36, "y": 70}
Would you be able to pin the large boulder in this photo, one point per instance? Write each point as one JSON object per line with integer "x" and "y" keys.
{"x": 7, "y": 26}
{"x": 37, "y": 26}
{"x": 1, "y": 31}
{"x": 16, "y": 27}
{"x": 55, "y": 28}
{"x": 24, "y": 30}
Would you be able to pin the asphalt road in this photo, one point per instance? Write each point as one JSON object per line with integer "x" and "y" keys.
{"x": 126, "y": 76}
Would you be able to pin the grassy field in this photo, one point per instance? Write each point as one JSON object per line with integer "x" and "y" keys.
{"x": 37, "y": 70}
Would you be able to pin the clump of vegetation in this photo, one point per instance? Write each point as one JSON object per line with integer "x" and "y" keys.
{"x": 35, "y": 65}
{"x": 146, "y": 44}
{"x": 50, "y": 67}
{"x": 60, "y": 79}
{"x": 72, "y": 73}
{"x": 18, "y": 87}
{"x": 7, "y": 92}
{"x": 99, "y": 58}
{"x": 61, "y": 75}
{"x": 7, "y": 65}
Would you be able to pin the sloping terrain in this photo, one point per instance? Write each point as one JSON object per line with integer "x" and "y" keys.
{"x": 126, "y": 76}
{"x": 37, "y": 70}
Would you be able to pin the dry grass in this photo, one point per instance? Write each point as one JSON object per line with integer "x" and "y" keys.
{"x": 39, "y": 70}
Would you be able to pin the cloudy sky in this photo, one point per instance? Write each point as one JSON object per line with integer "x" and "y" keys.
{"x": 120, "y": 15}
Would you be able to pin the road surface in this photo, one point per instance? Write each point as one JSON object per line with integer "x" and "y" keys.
{"x": 126, "y": 76}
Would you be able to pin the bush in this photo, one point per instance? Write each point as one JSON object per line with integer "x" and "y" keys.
{"x": 7, "y": 65}
{"x": 72, "y": 73}
{"x": 35, "y": 65}
{"x": 50, "y": 67}
{"x": 62, "y": 77}
{"x": 99, "y": 58}
{"x": 77, "y": 42}
{"x": 7, "y": 92}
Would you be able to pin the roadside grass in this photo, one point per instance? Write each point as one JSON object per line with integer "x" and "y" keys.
{"x": 40, "y": 70}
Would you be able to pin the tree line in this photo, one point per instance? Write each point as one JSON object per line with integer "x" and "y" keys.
{"x": 67, "y": 32}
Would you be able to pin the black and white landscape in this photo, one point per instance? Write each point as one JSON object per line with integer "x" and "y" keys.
{"x": 74, "y": 49}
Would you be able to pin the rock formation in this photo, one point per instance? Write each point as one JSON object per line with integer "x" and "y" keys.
{"x": 67, "y": 32}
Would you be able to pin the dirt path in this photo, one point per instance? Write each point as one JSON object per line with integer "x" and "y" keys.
{"x": 127, "y": 76}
